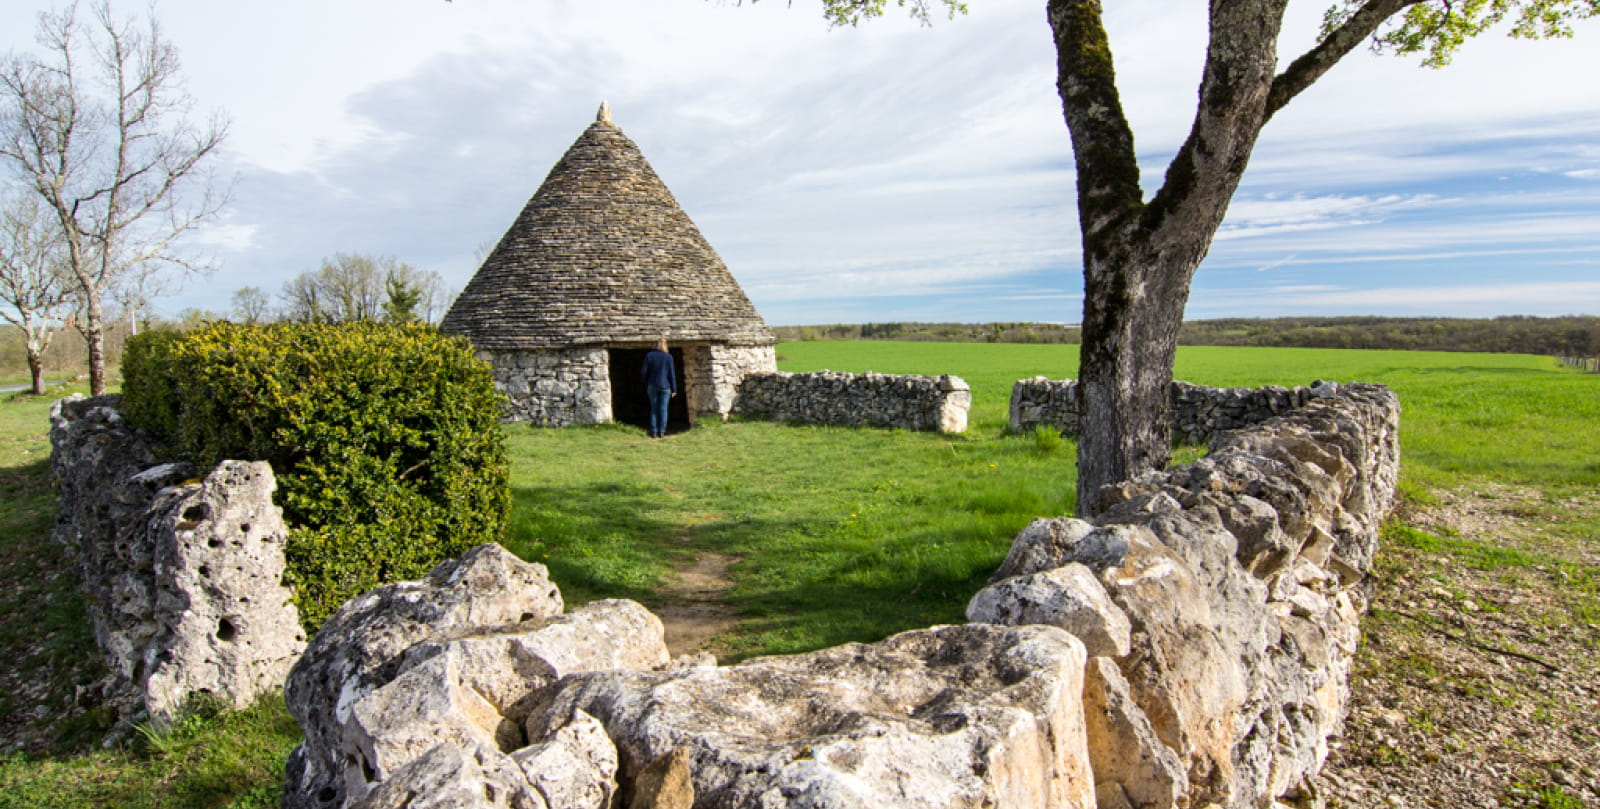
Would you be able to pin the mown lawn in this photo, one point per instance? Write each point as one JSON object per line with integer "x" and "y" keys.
{"x": 842, "y": 534}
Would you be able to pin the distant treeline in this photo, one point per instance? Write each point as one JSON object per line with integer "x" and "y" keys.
{"x": 1571, "y": 336}
{"x": 936, "y": 332}
{"x": 1576, "y": 338}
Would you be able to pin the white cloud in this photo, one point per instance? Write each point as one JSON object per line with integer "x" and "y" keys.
{"x": 227, "y": 236}
{"x": 924, "y": 172}
{"x": 1302, "y": 208}
{"x": 1276, "y": 264}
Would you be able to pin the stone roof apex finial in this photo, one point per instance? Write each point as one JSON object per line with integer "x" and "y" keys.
{"x": 604, "y": 116}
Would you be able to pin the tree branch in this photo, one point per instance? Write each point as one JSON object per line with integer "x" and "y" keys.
{"x": 1333, "y": 46}
{"x": 1240, "y": 58}
{"x": 1102, "y": 140}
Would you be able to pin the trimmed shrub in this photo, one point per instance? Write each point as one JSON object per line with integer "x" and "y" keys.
{"x": 385, "y": 440}
{"x": 148, "y": 398}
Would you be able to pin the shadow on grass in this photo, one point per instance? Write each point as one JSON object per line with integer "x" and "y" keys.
{"x": 603, "y": 540}
{"x": 861, "y": 593}
{"x": 45, "y": 635}
{"x": 615, "y": 540}
{"x": 28, "y": 480}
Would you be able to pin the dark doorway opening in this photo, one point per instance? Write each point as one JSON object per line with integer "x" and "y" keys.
{"x": 629, "y": 402}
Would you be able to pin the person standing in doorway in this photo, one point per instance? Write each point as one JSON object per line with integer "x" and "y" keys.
{"x": 661, "y": 384}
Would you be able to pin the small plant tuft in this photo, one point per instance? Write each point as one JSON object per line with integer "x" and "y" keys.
{"x": 1047, "y": 439}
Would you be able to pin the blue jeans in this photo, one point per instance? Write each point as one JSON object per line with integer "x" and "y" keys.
{"x": 659, "y": 398}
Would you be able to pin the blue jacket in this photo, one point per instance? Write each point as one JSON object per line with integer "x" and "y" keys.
{"x": 659, "y": 371}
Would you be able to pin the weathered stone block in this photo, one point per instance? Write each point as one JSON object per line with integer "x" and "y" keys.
{"x": 944, "y": 717}
{"x": 1069, "y": 597}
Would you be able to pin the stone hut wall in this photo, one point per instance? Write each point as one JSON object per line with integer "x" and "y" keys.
{"x": 1190, "y": 646}
{"x": 554, "y": 387}
{"x": 881, "y": 400}
{"x": 557, "y": 388}
{"x": 183, "y": 577}
{"x": 1198, "y": 412}
{"x": 720, "y": 371}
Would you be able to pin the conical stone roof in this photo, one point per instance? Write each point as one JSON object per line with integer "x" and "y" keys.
{"x": 603, "y": 254}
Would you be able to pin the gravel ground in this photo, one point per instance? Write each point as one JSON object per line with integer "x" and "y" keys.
{"x": 1478, "y": 683}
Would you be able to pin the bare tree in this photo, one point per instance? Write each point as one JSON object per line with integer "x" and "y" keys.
{"x": 34, "y": 289}
{"x": 428, "y": 288}
{"x": 136, "y": 287}
{"x": 251, "y": 305}
{"x": 353, "y": 284}
{"x": 357, "y": 286}
{"x": 303, "y": 299}
{"x": 98, "y": 126}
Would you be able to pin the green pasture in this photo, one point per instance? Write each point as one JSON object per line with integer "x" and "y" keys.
{"x": 1509, "y": 417}
{"x": 841, "y": 534}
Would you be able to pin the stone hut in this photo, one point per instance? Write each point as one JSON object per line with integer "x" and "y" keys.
{"x": 601, "y": 264}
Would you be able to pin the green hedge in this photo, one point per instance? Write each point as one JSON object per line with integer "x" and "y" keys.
{"x": 385, "y": 440}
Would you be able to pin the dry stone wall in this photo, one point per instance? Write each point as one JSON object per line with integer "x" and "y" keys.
{"x": 182, "y": 575}
{"x": 1198, "y": 412}
{"x": 1242, "y": 578}
{"x": 1189, "y": 647}
{"x": 880, "y": 400}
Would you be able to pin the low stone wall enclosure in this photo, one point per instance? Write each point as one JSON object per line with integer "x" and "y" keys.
{"x": 1198, "y": 412}
{"x": 183, "y": 576}
{"x": 881, "y": 400}
{"x": 1189, "y": 647}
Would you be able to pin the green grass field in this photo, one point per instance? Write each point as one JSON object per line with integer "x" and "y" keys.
{"x": 841, "y": 534}
{"x": 1510, "y": 417}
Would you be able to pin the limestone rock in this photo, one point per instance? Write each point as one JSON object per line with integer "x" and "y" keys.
{"x": 1263, "y": 548}
{"x": 573, "y": 768}
{"x": 665, "y": 783}
{"x": 1044, "y": 544}
{"x": 1131, "y": 764}
{"x": 966, "y": 716}
{"x": 1069, "y": 597}
{"x": 424, "y": 706}
{"x": 228, "y": 627}
{"x": 455, "y": 659}
{"x": 450, "y": 777}
{"x": 183, "y": 578}
{"x": 1240, "y": 576}
{"x": 884, "y": 400}
{"x": 359, "y": 650}
{"x": 474, "y": 689}
{"x": 1198, "y": 413}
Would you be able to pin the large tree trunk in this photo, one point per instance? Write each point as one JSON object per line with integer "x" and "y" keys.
{"x": 1131, "y": 317}
{"x": 1140, "y": 256}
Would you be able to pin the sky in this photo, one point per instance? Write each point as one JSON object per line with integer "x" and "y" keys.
{"x": 889, "y": 172}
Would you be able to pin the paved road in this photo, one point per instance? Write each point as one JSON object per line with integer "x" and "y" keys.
{"x": 11, "y": 388}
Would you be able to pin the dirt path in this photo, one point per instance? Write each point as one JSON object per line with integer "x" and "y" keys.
{"x": 692, "y": 608}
